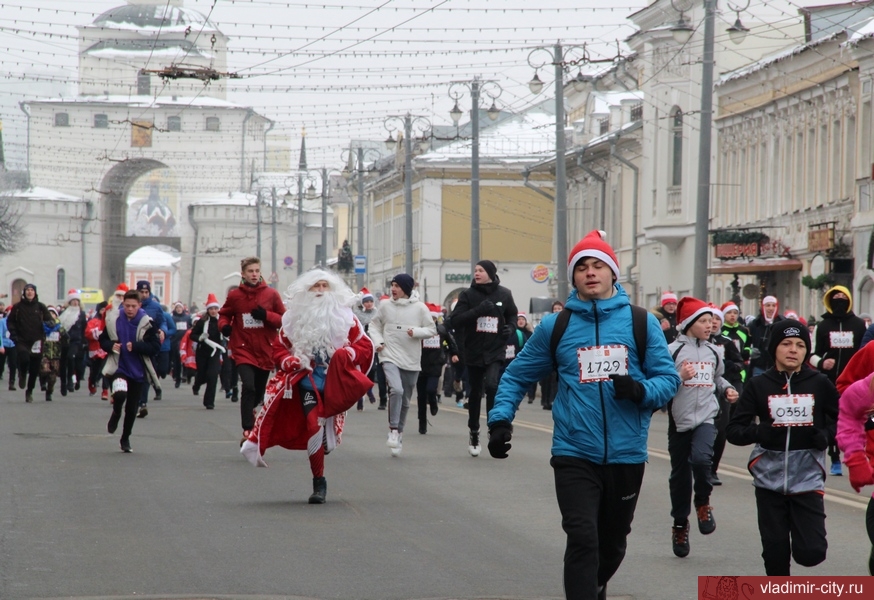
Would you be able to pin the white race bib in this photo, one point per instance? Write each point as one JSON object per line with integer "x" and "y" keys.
{"x": 181, "y": 326}
{"x": 703, "y": 374}
{"x": 487, "y": 325}
{"x": 597, "y": 363}
{"x": 36, "y": 348}
{"x": 54, "y": 336}
{"x": 510, "y": 353}
{"x": 250, "y": 322}
{"x": 795, "y": 410}
{"x": 432, "y": 342}
{"x": 119, "y": 385}
{"x": 841, "y": 339}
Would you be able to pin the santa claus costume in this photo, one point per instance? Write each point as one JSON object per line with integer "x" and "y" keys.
{"x": 321, "y": 357}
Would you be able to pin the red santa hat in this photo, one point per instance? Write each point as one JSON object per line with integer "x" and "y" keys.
{"x": 436, "y": 310}
{"x": 716, "y": 311}
{"x": 728, "y": 307}
{"x": 688, "y": 311}
{"x": 73, "y": 294}
{"x": 791, "y": 314}
{"x": 769, "y": 299}
{"x": 593, "y": 246}
{"x": 384, "y": 297}
{"x": 121, "y": 287}
{"x": 366, "y": 295}
{"x": 212, "y": 301}
{"x": 669, "y": 297}
{"x": 178, "y": 303}
{"x": 523, "y": 315}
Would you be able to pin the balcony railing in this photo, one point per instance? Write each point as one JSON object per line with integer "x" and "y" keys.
{"x": 675, "y": 200}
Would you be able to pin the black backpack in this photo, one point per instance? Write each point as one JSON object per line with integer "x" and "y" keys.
{"x": 638, "y": 325}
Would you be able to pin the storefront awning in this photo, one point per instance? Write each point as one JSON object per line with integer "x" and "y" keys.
{"x": 756, "y": 265}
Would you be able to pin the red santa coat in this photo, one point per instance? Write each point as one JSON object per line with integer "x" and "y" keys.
{"x": 281, "y": 421}
{"x": 93, "y": 329}
{"x": 251, "y": 340}
{"x": 186, "y": 351}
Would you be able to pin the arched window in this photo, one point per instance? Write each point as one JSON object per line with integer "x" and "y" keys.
{"x": 677, "y": 147}
{"x": 62, "y": 283}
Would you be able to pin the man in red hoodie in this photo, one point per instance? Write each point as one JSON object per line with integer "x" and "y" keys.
{"x": 251, "y": 318}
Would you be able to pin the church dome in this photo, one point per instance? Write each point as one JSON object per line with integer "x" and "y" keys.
{"x": 150, "y": 16}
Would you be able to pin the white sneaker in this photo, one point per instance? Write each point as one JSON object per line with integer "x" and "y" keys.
{"x": 474, "y": 450}
{"x": 394, "y": 439}
{"x": 473, "y": 445}
{"x": 397, "y": 451}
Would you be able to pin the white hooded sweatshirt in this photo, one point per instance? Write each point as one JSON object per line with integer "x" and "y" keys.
{"x": 389, "y": 328}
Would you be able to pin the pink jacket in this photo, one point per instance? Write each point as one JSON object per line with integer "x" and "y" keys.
{"x": 855, "y": 405}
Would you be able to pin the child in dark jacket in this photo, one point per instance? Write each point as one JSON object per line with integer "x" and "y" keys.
{"x": 796, "y": 408}
{"x": 434, "y": 351}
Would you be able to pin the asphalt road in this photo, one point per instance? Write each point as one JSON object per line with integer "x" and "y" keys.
{"x": 185, "y": 516}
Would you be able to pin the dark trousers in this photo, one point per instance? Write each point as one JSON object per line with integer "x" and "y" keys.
{"x": 791, "y": 526}
{"x": 208, "y": 368}
{"x": 254, "y": 382}
{"x": 12, "y": 363}
{"x": 96, "y": 372}
{"x": 721, "y": 424}
{"x": 869, "y": 524}
{"x": 28, "y": 366}
{"x": 381, "y": 385}
{"x": 175, "y": 362}
{"x": 229, "y": 375}
{"x": 162, "y": 363}
{"x": 426, "y": 395}
{"x": 482, "y": 377}
{"x": 597, "y": 505}
{"x": 72, "y": 366}
{"x": 691, "y": 458}
{"x": 130, "y": 401}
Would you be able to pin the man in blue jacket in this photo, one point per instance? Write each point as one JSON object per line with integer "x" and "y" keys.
{"x": 601, "y": 413}
{"x": 153, "y": 309}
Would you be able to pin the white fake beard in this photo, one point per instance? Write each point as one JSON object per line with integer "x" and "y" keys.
{"x": 316, "y": 323}
{"x": 69, "y": 317}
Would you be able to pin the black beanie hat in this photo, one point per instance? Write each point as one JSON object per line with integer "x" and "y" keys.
{"x": 489, "y": 268}
{"x": 405, "y": 282}
{"x": 787, "y": 328}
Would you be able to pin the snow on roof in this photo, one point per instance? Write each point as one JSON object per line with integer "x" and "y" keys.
{"x": 604, "y": 100}
{"x": 143, "y": 101}
{"x": 862, "y": 33}
{"x": 41, "y": 193}
{"x": 310, "y": 205}
{"x": 145, "y": 17}
{"x": 782, "y": 55}
{"x": 518, "y": 139}
{"x": 149, "y": 256}
{"x": 140, "y": 53}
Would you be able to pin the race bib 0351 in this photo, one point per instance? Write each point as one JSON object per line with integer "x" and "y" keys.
{"x": 791, "y": 410}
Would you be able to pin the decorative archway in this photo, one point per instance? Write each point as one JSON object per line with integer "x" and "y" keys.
{"x": 117, "y": 245}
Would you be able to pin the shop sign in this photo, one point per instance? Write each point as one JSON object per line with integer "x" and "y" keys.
{"x": 737, "y": 250}
{"x": 458, "y": 277}
{"x": 540, "y": 273}
{"x": 820, "y": 240}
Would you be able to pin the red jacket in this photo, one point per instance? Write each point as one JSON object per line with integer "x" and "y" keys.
{"x": 92, "y": 333}
{"x": 251, "y": 341}
{"x": 859, "y": 367}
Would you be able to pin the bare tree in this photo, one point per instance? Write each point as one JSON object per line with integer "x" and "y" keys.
{"x": 11, "y": 231}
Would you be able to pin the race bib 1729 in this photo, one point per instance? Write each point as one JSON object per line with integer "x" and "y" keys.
{"x": 597, "y": 363}
{"x": 791, "y": 410}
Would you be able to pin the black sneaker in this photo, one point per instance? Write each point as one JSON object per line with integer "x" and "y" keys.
{"x": 714, "y": 479}
{"x": 178, "y": 383}
{"x": 235, "y": 396}
{"x": 706, "y": 522}
{"x": 48, "y": 396}
{"x": 125, "y": 446}
{"x": 680, "y": 540}
{"x": 602, "y": 592}
{"x": 158, "y": 393}
{"x": 320, "y": 491}
{"x": 28, "y": 397}
{"x": 112, "y": 425}
{"x": 143, "y": 413}
{"x": 434, "y": 407}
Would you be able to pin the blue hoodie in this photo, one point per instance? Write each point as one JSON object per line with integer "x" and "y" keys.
{"x": 588, "y": 421}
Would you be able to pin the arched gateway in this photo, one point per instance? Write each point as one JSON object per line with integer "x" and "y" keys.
{"x": 117, "y": 244}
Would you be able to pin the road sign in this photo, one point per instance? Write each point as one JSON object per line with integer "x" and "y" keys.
{"x": 360, "y": 265}
{"x": 274, "y": 278}
{"x": 288, "y": 261}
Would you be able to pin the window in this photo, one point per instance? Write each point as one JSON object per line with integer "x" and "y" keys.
{"x": 603, "y": 125}
{"x": 101, "y": 121}
{"x": 212, "y": 123}
{"x": 158, "y": 290}
{"x": 62, "y": 120}
{"x": 174, "y": 123}
{"x": 61, "y": 283}
{"x": 677, "y": 148}
{"x": 144, "y": 84}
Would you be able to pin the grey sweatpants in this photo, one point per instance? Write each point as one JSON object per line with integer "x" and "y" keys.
{"x": 401, "y": 385}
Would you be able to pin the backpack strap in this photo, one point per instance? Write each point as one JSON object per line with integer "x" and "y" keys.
{"x": 557, "y": 331}
{"x": 520, "y": 338}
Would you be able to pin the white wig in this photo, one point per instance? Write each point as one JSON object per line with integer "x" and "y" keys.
{"x": 307, "y": 280}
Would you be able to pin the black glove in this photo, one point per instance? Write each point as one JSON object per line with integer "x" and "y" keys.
{"x": 508, "y": 330}
{"x": 226, "y": 330}
{"x": 500, "y": 435}
{"x": 820, "y": 439}
{"x": 763, "y": 434}
{"x": 624, "y": 386}
{"x": 259, "y": 313}
{"x": 485, "y": 307}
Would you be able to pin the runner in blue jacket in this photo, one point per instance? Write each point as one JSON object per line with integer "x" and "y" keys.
{"x": 601, "y": 413}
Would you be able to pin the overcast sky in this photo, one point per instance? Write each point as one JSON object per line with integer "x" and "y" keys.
{"x": 340, "y": 67}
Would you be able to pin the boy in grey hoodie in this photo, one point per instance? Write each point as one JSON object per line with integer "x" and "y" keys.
{"x": 692, "y": 413}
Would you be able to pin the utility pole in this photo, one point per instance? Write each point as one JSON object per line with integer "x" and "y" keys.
{"x": 359, "y": 278}
{"x": 408, "y": 194}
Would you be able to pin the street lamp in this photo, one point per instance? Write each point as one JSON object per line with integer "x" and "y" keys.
{"x": 702, "y": 201}
{"x": 476, "y": 87}
{"x": 326, "y": 184}
{"x": 560, "y": 63}
{"x": 301, "y": 186}
{"x": 409, "y": 122}
{"x": 360, "y": 156}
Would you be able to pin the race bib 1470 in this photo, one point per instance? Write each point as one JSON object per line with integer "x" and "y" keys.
{"x": 597, "y": 363}
{"x": 703, "y": 374}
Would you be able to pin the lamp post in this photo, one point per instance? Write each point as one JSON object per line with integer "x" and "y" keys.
{"x": 682, "y": 32}
{"x": 297, "y": 187}
{"x": 326, "y": 184}
{"x": 560, "y": 63}
{"x": 409, "y": 122}
{"x": 476, "y": 87}
{"x": 360, "y": 156}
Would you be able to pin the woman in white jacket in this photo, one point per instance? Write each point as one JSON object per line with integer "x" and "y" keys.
{"x": 397, "y": 330}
